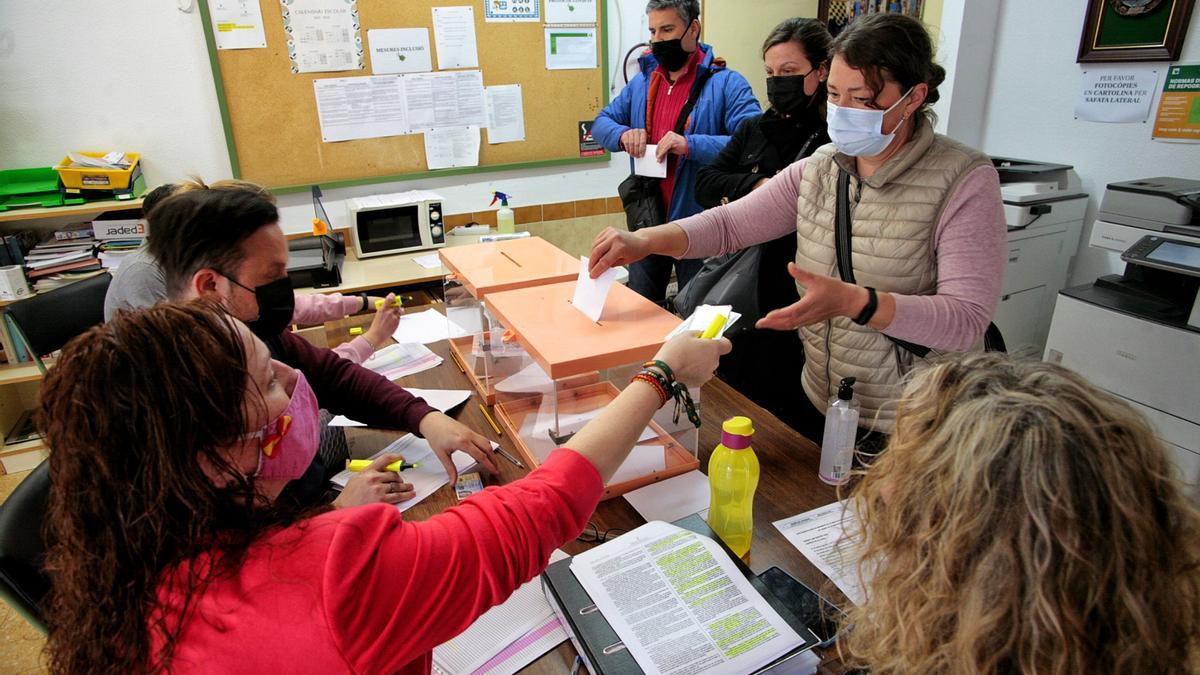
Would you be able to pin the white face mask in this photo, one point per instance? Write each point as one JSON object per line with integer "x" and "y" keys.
{"x": 857, "y": 132}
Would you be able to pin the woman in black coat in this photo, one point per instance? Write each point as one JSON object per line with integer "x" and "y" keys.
{"x": 795, "y": 56}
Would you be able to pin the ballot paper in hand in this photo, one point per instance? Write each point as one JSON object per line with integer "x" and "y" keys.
{"x": 703, "y": 316}
{"x": 648, "y": 164}
{"x": 680, "y": 605}
{"x": 590, "y": 293}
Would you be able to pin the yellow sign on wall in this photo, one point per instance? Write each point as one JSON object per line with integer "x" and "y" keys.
{"x": 1178, "y": 116}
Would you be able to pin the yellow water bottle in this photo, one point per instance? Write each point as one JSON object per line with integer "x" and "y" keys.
{"x": 732, "y": 479}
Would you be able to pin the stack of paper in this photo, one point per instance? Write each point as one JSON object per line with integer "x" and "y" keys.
{"x": 703, "y": 316}
{"x": 680, "y": 605}
{"x": 507, "y": 637}
{"x": 398, "y": 360}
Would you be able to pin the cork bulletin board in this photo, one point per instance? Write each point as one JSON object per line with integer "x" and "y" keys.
{"x": 270, "y": 113}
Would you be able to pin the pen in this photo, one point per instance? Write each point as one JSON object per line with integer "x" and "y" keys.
{"x": 713, "y": 328}
{"x": 506, "y": 455}
{"x": 490, "y": 420}
{"x": 398, "y": 465}
{"x": 578, "y": 663}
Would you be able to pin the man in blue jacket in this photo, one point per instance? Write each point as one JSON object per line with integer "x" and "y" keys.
{"x": 648, "y": 108}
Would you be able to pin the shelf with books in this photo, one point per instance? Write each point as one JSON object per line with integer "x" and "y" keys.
{"x": 90, "y": 208}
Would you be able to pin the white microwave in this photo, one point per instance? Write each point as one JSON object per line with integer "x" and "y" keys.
{"x": 396, "y": 223}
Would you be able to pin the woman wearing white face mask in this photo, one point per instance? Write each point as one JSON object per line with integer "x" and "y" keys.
{"x": 915, "y": 271}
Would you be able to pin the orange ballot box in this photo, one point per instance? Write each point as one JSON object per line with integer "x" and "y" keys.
{"x": 477, "y": 340}
{"x": 576, "y": 366}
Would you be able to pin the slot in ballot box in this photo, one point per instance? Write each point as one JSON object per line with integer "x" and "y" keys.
{"x": 576, "y": 366}
{"x": 477, "y": 340}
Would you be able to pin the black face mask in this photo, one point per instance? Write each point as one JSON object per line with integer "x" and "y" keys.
{"x": 670, "y": 54}
{"x": 786, "y": 94}
{"x": 276, "y": 303}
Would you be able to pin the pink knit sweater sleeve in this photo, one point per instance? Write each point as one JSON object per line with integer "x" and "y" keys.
{"x": 318, "y": 308}
{"x": 765, "y": 214}
{"x": 971, "y": 245}
{"x": 356, "y": 350}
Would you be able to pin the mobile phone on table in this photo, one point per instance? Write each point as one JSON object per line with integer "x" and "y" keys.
{"x": 822, "y": 617}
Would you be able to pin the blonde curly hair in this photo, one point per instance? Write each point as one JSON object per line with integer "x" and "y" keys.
{"x": 1023, "y": 520}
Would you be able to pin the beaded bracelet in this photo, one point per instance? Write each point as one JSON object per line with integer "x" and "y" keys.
{"x": 649, "y": 378}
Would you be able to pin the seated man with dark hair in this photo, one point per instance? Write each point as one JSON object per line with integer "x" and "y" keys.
{"x": 226, "y": 246}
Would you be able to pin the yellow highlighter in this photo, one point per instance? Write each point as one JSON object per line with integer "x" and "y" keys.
{"x": 714, "y": 327}
{"x": 362, "y": 464}
{"x": 395, "y": 303}
{"x": 357, "y": 330}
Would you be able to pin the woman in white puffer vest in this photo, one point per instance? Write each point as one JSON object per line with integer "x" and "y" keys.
{"x": 923, "y": 250}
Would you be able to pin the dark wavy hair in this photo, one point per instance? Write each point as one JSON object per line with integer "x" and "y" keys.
{"x": 134, "y": 411}
{"x": 893, "y": 47}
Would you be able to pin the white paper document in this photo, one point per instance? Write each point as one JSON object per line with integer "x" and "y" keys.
{"x": 451, "y": 147}
{"x": 822, "y": 536}
{"x": 493, "y": 644}
{"x": 425, "y": 327}
{"x": 237, "y": 24}
{"x": 425, "y": 479}
{"x": 648, "y": 164}
{"x": 643, "y": 460}
{"x": 433, "y": 100}
{"x": 399, "y": 50}
{"x": 590, "y": 293}
{"x": 442, "y": 399}
{"x": 323, "y": 35}
{"x": 1116, "y": 94}
{"x": 430, "y": 261}
{"x": 396, "y": 361}
{"x": 673, "y": 498}
{"x": 570, "y": 48}
{"x": 506, "y": 114}
{"x": 703, "y": 316}
{"x": 570, "y": 11}
{"x": 680, "y": 605}
{"x": 349, "y": 108}
{"x": 509, "y": 11}
{"x": 454, "y": 33}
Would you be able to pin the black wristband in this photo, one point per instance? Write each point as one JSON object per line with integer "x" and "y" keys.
{"x": 864, "y": 317}
{"x": 366, "y": 301}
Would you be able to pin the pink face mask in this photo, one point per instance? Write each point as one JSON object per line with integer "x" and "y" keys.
{"x": 288, "y": 444}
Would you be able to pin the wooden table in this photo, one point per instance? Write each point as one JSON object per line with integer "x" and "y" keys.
{"x": 788, "y": 483}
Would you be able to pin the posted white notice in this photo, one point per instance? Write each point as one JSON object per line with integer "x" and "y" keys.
{"x": 680, "y": 605}
{"x": 570, "y": 48}
{"x": 454, "y": 32}
{"x": 323, "y": 35}
{"x": 506, "y": 114}
{"x": 360, "y": 107}
{"x": 508, "y": 11}
{"x": 1116, "y": 95}
{"x": 400, "y": 50}
{"x": 237, "y": 24}
{"x": 820, "y": 535}
{"x": 570, "y": 11}
{"x": 435, "y": 100}
{"x": 451, "y": 147}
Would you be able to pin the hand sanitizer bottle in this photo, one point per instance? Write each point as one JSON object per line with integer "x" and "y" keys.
{"x": 841, "y": 425}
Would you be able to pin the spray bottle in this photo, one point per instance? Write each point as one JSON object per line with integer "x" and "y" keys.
{"x": 732, "y": 480}
{"x": 841, "y": 425}
{"x": 505, "y": 222}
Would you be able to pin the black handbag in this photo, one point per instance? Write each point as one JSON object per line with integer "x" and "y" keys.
{"x": 726, "y": 280}
{"x": 641, "y": 196}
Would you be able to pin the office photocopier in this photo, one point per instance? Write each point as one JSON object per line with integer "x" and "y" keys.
{"x": 1044, "y": 209}
{"x": 1137, "y": 334}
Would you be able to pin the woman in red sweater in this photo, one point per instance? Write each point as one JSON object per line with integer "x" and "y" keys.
{"x": 169, "y": 552}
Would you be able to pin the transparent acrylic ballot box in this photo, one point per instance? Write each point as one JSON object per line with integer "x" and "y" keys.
{"x": 576, "y": 366}
{"x": 477, "y": 340}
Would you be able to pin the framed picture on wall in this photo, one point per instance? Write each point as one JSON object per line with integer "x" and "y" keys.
{"x": 1134, "y": 30}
